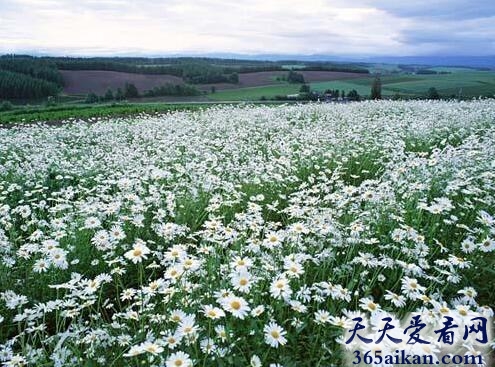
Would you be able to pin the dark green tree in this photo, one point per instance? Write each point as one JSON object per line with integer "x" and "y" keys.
{"x": 91, "y": 98}
{"x": 353, "y": 95}
{"x": 108, "y": 95}
{"x": 233, "y": 78}
{"x": 119, "y": 95}
{"x": 14, "y": 85}
{"x": 130, "y": 91}
{"x": 432, "y": 93}
{"x": 51, "y": 101}
{"x": 6, "y": 106}
{"x": 376, "y": 88}
{"x": 304, "y": 88}
{"x": 294, "y": 77}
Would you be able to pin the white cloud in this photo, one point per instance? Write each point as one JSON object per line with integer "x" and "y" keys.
{"x": 175, "y": 26}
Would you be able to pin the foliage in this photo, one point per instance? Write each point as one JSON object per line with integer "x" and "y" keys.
{"x": 108, "y": 95}
{"x": 295, "y": 77}
{"x": 376, "y": 88}
{"x": 130, "y": 91}
{"x": 14, "y": 85}
{"x": 305, "y": 88}
{"x": 349, "y": 68}
{"x": 426, "y": 72}
{"x": 92, "y": 98}
{"x": 432, "y": 93}
{"x": 173, "y": 90}
{"x": 119, "y": 95}
{"x": 6, "y": 106}
{"x": 33, "y": 67}
{"x": 353, "y": 95}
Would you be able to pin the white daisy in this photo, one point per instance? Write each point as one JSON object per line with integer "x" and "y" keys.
{"x": 274, "y": 335}
{"x": 179, "y": 359}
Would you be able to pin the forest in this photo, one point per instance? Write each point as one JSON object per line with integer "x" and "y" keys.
{"x": 29, "y": 77}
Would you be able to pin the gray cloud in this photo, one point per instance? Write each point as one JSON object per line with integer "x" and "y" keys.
{"x": 443, "y": 9}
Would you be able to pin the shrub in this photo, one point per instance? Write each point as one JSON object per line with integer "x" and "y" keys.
{"x": 6, "y": 106}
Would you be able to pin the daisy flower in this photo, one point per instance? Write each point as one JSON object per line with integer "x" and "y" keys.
{"x": 152, "y": 348}
{"x": 274, "y": 335}
{"x": 237, "y": 306}
{"x": 242, "y": 281}
{"x": 179, "y": 359}
{"x": 92, "y": 222}
{"x": 280, "y": 288}
{"x": 138, "y": 252}
{"x": 213, "y": 313}
{"x": 322, "y": 317}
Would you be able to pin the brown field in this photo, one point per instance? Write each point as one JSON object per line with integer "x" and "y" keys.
{"x": 98, "y": 81}
{"x": 263, "y": 78}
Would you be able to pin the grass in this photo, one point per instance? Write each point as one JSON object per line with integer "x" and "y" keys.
{"x": 64, "y": 112}
{"x": 472, "y": 83}
{"x": 83, "y": 111}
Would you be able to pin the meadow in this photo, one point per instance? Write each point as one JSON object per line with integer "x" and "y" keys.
{"x": 456, "y": 82}
{"x": 242, "y": 235}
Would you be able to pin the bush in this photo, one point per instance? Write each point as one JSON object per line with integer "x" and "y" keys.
{"x": 294, "y": 77}
{"x": 353, "y": 95}
{"x": 108, "y": 95}
{"x": 174, "y": 90}
{"x": 91, "y": 98}
{"x": 130, "y": 91}
{"x": 432, "y": 93}
{"x": 51, "y": 101}
{"x": 6, "y": 106}
{"x": 304, "y": 88}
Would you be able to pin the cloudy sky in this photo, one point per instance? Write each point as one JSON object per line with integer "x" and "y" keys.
{"x": 333, "y": 27}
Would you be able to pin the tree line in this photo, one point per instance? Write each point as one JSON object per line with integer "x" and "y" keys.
{"x": 34, "y": 67}
{"x": 21, "y": 86}
{"x": 130, "y": 91}
{"x": 25, "y": 77}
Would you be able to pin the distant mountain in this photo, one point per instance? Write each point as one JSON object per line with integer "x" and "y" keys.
{"x": 437, "y": 60}
{"x": 471, "y": 61}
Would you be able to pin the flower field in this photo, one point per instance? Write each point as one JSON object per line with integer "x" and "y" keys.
{"x": 242, "y": 236}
